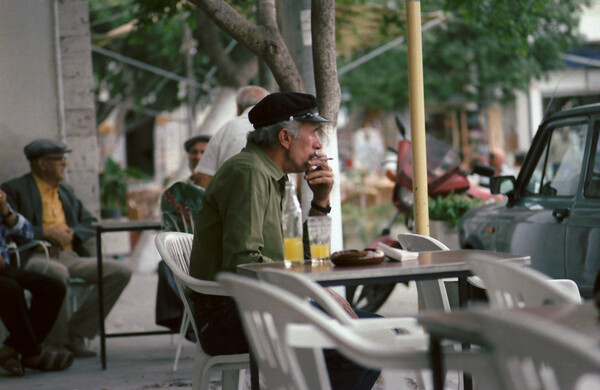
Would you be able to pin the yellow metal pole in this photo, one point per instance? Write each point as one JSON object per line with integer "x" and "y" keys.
{"x": 417, "y": 116}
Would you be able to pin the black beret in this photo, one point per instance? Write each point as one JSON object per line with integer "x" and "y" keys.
{"x": 284, "y": 106}
{"x": 42, "y": 147}
{"x": 187, "y": 145}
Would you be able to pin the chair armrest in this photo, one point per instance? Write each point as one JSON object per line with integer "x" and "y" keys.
{"x": 402, "y": 325}
{"x": 16, "y": 250}
{"x": 372, "y": 353}
{"x": 307, "y": 336}
{"x": 201, "y": 286}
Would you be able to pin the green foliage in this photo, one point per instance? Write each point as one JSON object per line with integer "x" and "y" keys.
{"x": 154, "y": 41}
{"x": 113, "y": 184}
{"x": 378, "y": 84}
{"x": 451, "y": 208}
{"x": 481, "y": 53}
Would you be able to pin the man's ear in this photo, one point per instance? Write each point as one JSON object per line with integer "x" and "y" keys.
{"x": 37, "y": 165}
{"x": 285, "y": 138}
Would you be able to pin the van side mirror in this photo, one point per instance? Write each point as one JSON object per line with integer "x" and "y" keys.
{"x": 502, "y": 184}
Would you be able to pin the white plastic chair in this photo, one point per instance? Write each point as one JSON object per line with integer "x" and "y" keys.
{"x": 531, "y": 353}
{"x": 287, "y": 335}
{"x": 406, "y": 328}
{"x": 509, "y": 285}
{"x": 432, "y": 293}
{"x": 182, "y": 222}
{"x": 175, "y": 249}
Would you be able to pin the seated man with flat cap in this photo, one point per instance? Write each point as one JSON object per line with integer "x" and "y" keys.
{"x": 60, "y": 218}
{"x": 239, "y": 220}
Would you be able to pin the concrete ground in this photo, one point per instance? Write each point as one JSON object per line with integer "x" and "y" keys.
{"x": 146, "y": 362}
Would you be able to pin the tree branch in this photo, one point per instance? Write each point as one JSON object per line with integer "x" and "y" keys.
{"x": 264, "y": 40}
{"x": 209, "y": 40}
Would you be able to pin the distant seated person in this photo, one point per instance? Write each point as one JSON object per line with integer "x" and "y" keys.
{"x": 178, "y": 205}
{"x": 28, "y": 326}
{"x": 497, "y": 159}
{"x": 59, "y": 217}
{"x": 195, "y": 148}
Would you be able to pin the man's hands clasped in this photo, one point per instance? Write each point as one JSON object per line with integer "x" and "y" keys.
{"x": 58, "y": 237}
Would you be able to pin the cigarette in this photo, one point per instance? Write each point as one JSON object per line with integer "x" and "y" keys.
{"x": 322, "y": 158}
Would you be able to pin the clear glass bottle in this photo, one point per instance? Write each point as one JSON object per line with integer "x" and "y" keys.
{"x": 291, "y": 226}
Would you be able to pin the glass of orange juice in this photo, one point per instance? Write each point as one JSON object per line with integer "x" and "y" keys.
{"x": 293, "y": 251}
{"x": 319, "y": 233}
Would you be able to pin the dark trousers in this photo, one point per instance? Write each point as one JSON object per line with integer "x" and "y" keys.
{"x": 221, "y": 332}
{"x": 169, "y": 308}
{"x": 28, "y": 327}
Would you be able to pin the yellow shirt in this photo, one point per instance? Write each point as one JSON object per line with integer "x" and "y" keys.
{"x": 53, "y": 214}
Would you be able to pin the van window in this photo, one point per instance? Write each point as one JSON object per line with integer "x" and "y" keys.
{"x": 559, "y": 167}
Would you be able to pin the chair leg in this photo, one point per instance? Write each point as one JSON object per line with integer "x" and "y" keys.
{"x": 185, "y": 322}
{"x": 201, "y": 379}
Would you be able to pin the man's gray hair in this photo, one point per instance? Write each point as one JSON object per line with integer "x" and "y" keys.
{"x": 249, "y": 96}
{"x": 267, "y": 136}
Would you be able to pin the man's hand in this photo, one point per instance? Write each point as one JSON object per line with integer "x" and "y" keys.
{"x": 59, "y": 237}
{"x": 342, "y": 302}
{"x": 200, "y": 179}
{"x": 319, "y": 176}
{"x": 53, "y": 251}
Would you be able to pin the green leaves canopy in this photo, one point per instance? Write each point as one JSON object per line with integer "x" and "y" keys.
{"x": 482, "y": 52}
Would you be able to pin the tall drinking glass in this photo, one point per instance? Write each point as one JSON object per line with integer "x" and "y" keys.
{"x": 319, "y": 234}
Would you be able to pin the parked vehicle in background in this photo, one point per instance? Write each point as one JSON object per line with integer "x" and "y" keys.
{"x": 552, "y": 210}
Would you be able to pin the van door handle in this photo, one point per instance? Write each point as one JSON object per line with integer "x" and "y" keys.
{"x": 560, "y": 214}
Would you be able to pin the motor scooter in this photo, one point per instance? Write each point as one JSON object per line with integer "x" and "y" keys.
{"x": 444, "y": 177}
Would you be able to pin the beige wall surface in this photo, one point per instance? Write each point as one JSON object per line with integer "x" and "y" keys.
{"x": 46, "y": 88}
{"x": 28, "y": 104}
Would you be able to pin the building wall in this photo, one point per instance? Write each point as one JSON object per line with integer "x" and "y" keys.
{"x": 47, "y": 88}
{"x": 28, "y": 104}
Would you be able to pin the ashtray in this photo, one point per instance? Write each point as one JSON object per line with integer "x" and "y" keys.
{"x": 356, "y": 257}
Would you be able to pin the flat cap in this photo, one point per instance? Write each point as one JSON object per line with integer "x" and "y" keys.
{"x": 285, "y": 106}
{"x": 187, "y": 145}
{"x": 42, "y": 147}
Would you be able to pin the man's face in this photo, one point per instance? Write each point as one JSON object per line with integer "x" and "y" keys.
{"x": 303, "y": 148}
{"x": 53, "y": 166}
{"x": 195, "y": 154}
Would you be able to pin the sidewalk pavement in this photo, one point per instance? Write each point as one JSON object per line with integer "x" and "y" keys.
{"x": 145, "y": 362}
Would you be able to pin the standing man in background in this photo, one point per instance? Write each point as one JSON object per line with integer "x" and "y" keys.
{"x": 230, "y": 139}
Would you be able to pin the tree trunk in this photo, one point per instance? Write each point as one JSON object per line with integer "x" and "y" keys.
{"x": 222, "y": 109}
{"x": 329, "y": 96}
{"x": 325, "y": 65}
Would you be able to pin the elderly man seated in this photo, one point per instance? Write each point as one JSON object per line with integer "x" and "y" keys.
{"x": 58, "y": 216}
